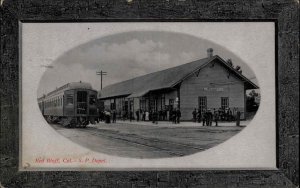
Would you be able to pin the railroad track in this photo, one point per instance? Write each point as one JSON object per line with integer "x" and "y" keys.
{"x": 172, "y": 148}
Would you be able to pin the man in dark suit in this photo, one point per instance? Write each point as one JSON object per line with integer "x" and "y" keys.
{"x": 194, "y": 115}
{"x": 114, "y": 116}
{"x": 178, "y": 115}
{"x": 199, "y": 115}
{"x": 137, "y": 113}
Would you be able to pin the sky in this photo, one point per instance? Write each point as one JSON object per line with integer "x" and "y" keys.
{"x": 127, "y": 55}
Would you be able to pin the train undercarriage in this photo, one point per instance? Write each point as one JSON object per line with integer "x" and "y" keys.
{"x": 71, "y": 122}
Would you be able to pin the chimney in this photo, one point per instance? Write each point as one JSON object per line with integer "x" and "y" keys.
{"x": 210, "y": 52}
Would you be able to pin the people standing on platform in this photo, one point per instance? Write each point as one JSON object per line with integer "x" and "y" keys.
{"x": 114, "y": 116}
{"x": 154, "y": 117}
{"x": 124, "y": 115}
{"x": 238, "y": 116}
{"x": 150, "y": 115}
{"x": 130, "y": 116}
{"x": 174, "y": 116}
{"x": 143, "y": 115}
{"x": 101, "y": 115}
{"x": 107, "y": 116}
{"x": 221, "y": 114}
{"x": 199, "y": 115}
{"x": 137, "y": 113}
{"x": 234, "y": 114}
{"x": 178, "y": 115}
{"x": 164, "y": 115}
{"x": 216, "y": 117}
{"x": 230, "y": 114}
{"x": 226, "y": 114}
{"x": 159, "y": 115}
{"x": 204, "y": 116}
{"x": 207, "y": 118}
{"x": 146, "y": 116}
{"x": 211, "y": 117}
{"x": 194, "y": 115}
{"x": 170, "y": 115}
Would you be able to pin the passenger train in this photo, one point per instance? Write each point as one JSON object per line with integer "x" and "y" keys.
{"x": 72, "y": 105}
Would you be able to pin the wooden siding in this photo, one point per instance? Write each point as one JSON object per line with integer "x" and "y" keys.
{"x": 213, "y": 81}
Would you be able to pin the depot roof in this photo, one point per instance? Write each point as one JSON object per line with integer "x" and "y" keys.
{"x": 167, "y": 78}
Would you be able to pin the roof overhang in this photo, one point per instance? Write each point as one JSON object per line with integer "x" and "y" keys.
{"x": 115, "y": 96}
{"x": 138, "y": 94}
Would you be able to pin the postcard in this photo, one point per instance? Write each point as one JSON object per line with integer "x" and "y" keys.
{"x": 147, "y": 96}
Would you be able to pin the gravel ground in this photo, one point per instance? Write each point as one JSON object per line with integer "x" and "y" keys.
{"x": 142, "y": 140}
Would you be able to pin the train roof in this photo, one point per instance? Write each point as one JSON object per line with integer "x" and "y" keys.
{"x": 71, "y": 85}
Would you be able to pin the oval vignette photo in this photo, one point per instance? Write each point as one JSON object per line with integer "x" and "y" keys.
{"x": 148, "y": 94}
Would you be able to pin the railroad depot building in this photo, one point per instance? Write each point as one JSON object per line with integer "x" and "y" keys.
{"x": 209, "y": 83}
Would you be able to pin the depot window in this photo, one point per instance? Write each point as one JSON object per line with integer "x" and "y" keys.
{"x": 202, "y": 103}
{"x": 224, "y": 102}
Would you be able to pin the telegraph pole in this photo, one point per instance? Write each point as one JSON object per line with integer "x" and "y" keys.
{"x": 101, "y": 73}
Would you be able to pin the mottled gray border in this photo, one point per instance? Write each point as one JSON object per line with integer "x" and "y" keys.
{"x": 285, "y": 13}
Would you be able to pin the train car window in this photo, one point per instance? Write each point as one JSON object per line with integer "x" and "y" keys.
{"x": 92, "y": 99}
{"x": 69, "y": 99}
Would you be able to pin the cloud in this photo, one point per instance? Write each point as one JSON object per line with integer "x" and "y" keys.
{"x": 188, "y": 56}
{"x": 121, "y": 61}
{"x": 104, "y": 53}
{"x": 124, "y": 58}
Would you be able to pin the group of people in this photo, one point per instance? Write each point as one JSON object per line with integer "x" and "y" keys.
{"x": 207, "y": 116}
{"x": 161, "y": 115}
{"x": 175, "y": 116}
{"x": 107, "y": 116}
